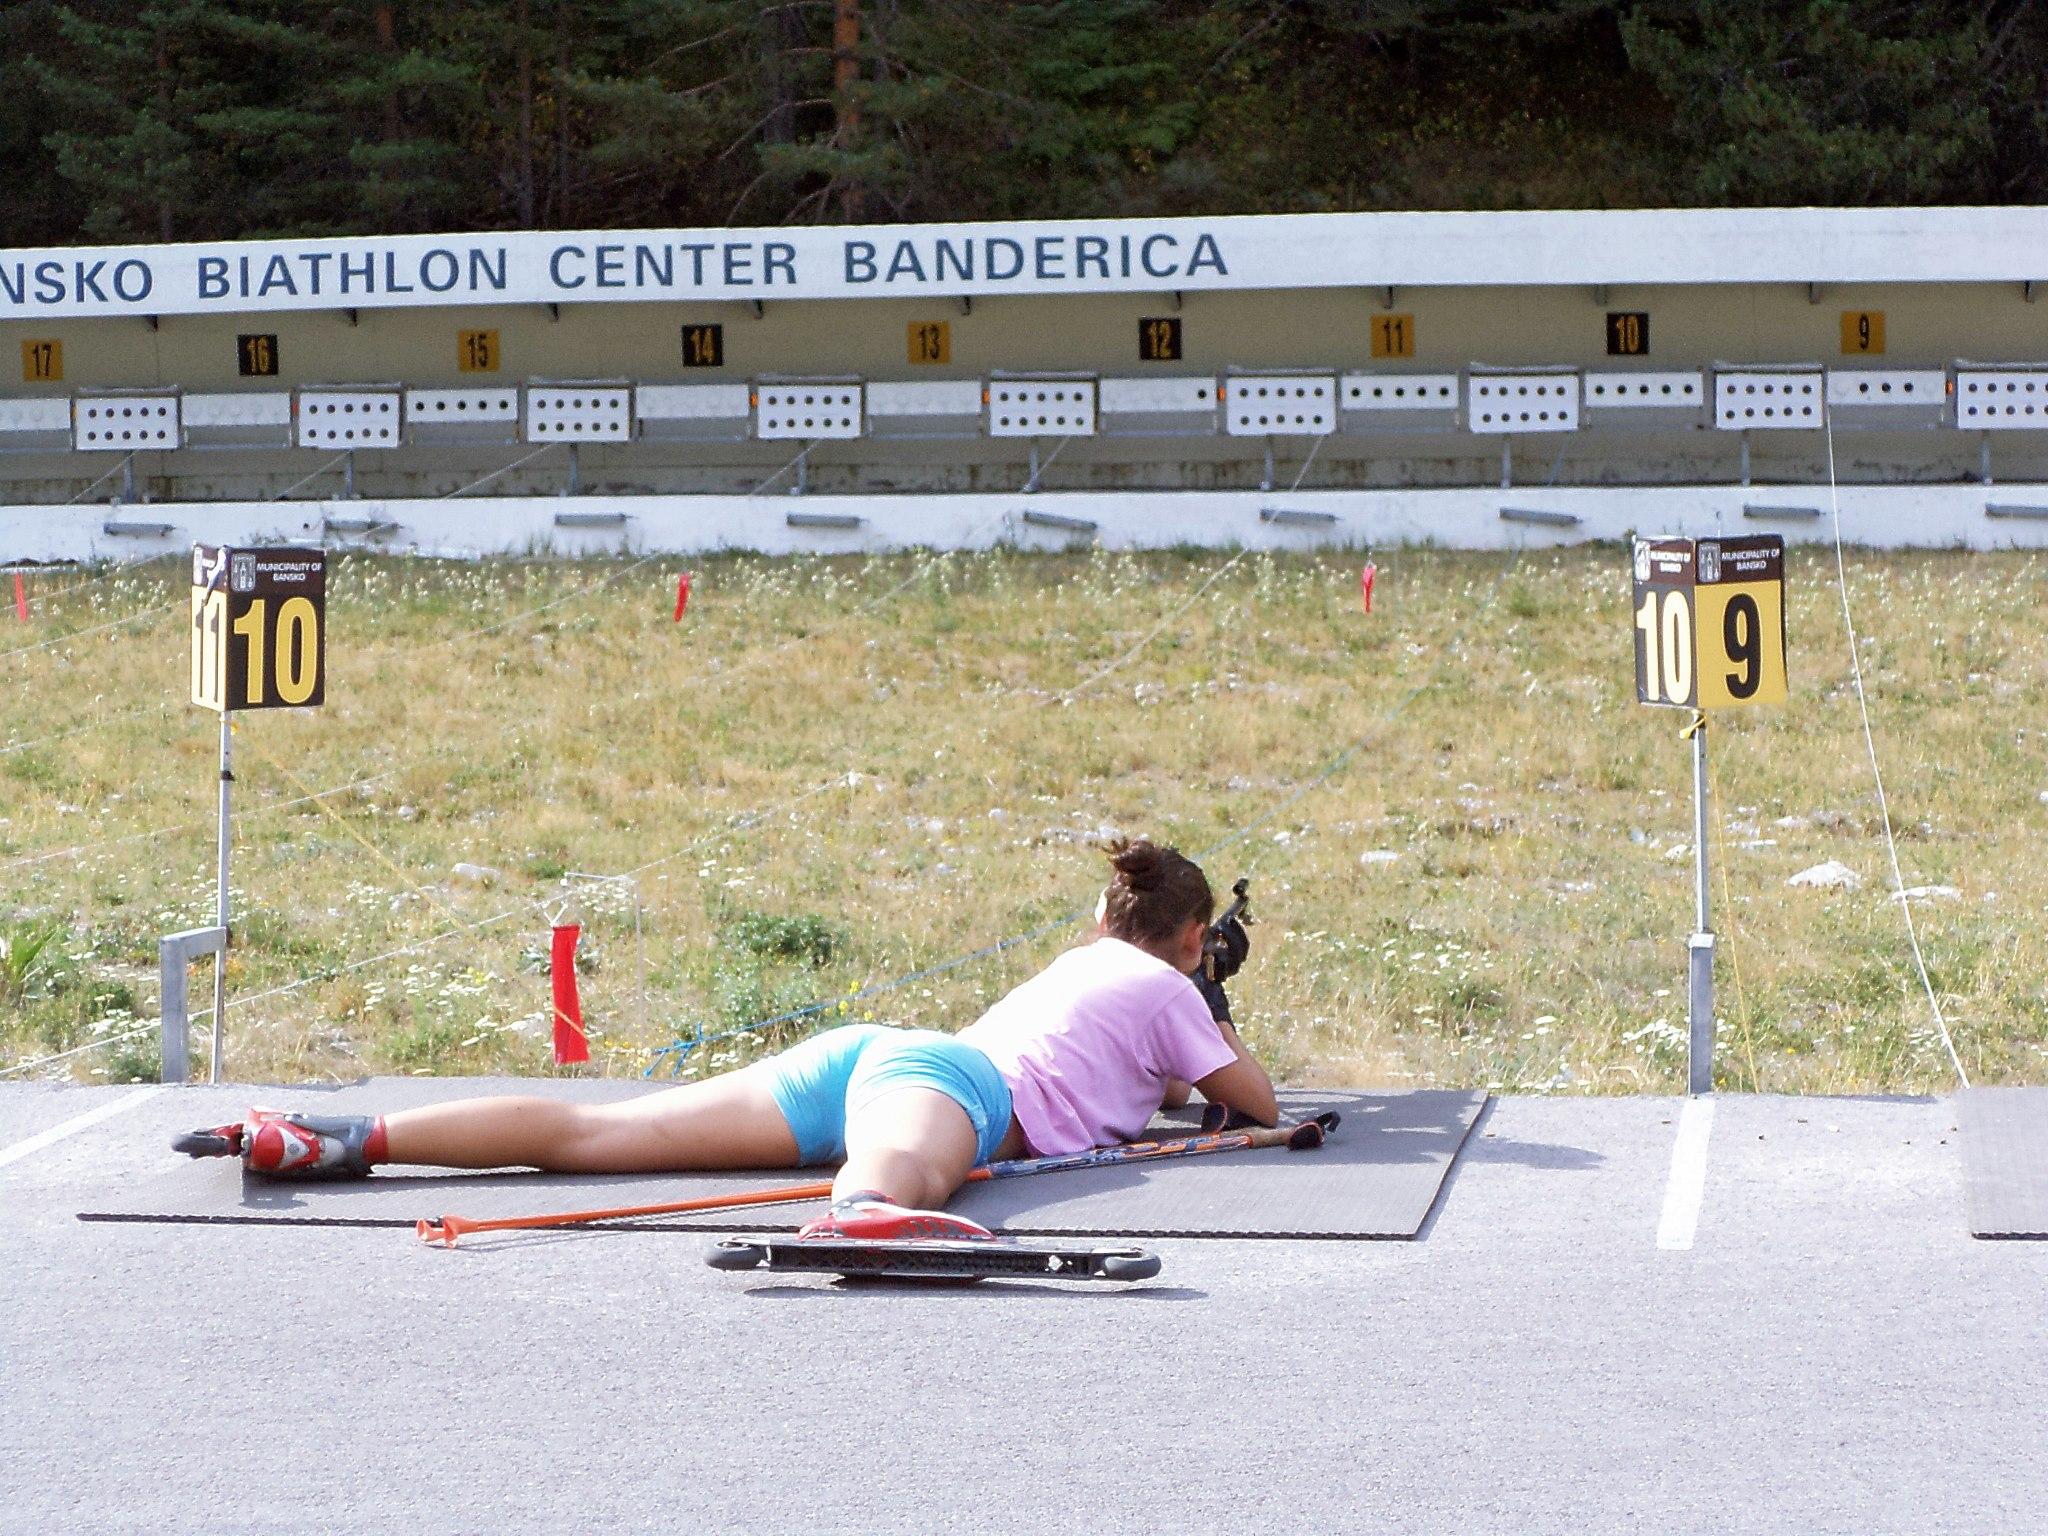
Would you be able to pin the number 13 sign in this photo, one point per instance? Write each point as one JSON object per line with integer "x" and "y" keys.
{"x": 259, "y": 631}
{"x": 1710, "y": 621}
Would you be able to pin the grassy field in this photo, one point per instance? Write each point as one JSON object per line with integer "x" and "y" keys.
{"x": 833, "y": 773}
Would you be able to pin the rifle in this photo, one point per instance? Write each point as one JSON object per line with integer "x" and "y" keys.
{"x": 1217, "y": 949}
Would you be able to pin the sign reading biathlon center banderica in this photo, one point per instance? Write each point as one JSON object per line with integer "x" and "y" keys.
{"x": 1710, "y": 621}
{"x": 259, "y": 628}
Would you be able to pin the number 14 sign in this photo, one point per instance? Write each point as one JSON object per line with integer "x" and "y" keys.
{"x": 1710, "y": 621}
{"x": 259, "y": 631}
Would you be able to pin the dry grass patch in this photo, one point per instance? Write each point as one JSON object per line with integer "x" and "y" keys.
{"x": 850, "y": 770}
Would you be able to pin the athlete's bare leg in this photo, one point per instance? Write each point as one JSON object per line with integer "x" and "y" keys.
{"x": 731, "y": 1121}
{"x": 915, "y": 1145}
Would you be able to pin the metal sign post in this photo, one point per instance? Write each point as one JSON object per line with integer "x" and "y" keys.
{"x": 220, "y": 964}
{"x": 259, "y": 641}
{"x": 1710, "y": 634}
{"x": 1699, "y": 990}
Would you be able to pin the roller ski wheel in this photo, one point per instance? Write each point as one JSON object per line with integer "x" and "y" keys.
{"x": 930, "y": 1259}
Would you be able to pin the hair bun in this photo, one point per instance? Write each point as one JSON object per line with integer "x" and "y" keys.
{"x": 1154, "y": 892}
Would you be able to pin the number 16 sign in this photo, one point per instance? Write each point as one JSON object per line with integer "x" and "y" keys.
{"x": 1710, "y": 621}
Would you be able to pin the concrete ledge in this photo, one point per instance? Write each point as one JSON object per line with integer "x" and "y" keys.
{"x": 1884, "y": 517}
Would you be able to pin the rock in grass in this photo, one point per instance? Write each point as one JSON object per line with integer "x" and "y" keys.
{"x": 1373, "y": 856}
{"x": 1927, "y": 893}
{"x": 1831, "y": 876}
{"x": 475, "y": 874}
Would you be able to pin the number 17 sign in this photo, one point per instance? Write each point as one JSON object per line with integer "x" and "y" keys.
{"x": 1710, "y": 621}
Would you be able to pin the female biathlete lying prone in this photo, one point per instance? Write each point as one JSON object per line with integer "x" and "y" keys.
{"x": 1077, "y": 1057}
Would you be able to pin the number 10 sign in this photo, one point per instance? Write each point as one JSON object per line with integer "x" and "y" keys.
{"x": 1710, "y": 621}
{"x": 258, "y": 628}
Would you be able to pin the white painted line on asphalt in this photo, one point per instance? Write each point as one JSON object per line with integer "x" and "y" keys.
{"x": 1688, "y": 1184}
{"x": 76, "y": 1123}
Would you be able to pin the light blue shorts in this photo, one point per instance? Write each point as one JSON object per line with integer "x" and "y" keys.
{"x": 820, "y": 1082}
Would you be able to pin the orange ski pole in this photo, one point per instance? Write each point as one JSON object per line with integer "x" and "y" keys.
{"x": 449, "y": 1228}
{"x": 1303, "y": 1136}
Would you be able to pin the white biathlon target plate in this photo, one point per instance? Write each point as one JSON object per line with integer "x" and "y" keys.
{"x": 1522, "y": 402}
{"x": 807, "y": 410}
{"x": 1280, "y": 405}
{"x": 1776, "y": 400}
{"x": 334, "y": 418}
{"x": 1041, "y": 408}
{"x": 125, "y": 423}
{"x": 2002, "y": 399}
{"x": 578, "y": 413}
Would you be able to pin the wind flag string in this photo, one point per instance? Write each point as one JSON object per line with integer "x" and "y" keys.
{"x": 1365, "y": 581}
{"x": 20, "y": 597}
{"x": 570, "y": 1043}
{"x": 683, "y": 593}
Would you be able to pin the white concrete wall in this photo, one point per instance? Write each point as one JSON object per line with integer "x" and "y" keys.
{"x": 1894, "y": 517}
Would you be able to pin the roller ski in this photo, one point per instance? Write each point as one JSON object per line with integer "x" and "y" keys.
{"x": 868, "y": 1236}
{"x": 278, "y": 1144}
{"x": 931, "y": 1258}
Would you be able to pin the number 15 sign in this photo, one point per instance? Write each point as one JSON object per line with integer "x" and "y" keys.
{"x": 1710, "y": 621}
{"x": 259, "y": 631}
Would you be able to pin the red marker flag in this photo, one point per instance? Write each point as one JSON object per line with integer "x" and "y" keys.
{"x": 1365, "y": 580}
{"x": 570, "y": 1044}
{"x": 20, "y": 598}
{"x": 683, "y": 594}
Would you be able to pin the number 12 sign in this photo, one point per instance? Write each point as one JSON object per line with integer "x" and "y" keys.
{"x": 259, "y": 628}
{"x": 1710, "y": 621}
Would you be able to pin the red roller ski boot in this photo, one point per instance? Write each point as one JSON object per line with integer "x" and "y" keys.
{"x": 281, "y": 1144}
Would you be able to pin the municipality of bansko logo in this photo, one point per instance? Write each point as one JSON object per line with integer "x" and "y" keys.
{"x": 242, "y": 573}
{"x": 1642, "y": 560}
{"x": 1710, "y": 561}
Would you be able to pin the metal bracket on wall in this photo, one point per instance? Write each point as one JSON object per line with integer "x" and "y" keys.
{"x": 1054, "y": 520}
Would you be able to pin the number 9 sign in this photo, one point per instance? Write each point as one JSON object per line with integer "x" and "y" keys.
{"x": 1710, "y": 621}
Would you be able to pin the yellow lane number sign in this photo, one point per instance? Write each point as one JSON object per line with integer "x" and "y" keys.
{"x": 1710, "y": 621}
{"x": 259, "y": 628}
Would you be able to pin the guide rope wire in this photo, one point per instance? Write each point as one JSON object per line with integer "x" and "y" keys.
{"x": 1891, "y": 841}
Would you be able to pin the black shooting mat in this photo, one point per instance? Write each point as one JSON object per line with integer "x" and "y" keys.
{"x": 1378, "y": 1176}
{"x": 2005, "y": 1160}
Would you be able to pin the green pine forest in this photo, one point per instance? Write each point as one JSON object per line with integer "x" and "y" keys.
{"x": 148, "y": 120}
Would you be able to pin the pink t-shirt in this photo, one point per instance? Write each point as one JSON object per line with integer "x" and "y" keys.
{"x": 1087, "y": 1045}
